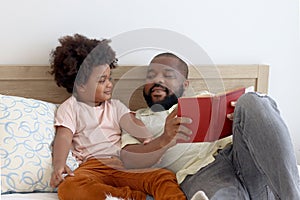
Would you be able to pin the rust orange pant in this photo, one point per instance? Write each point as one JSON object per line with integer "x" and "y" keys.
{"x": 97, "y": 178}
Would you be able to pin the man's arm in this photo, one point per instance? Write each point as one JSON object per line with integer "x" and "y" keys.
{"x": 146, "y": 155}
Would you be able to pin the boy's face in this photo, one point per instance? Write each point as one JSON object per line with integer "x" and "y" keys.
{"x": 98, "y": 87}
{"x": 164, "y": 82}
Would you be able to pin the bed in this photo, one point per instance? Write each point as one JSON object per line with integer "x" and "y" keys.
{"x": 29, "y": 98}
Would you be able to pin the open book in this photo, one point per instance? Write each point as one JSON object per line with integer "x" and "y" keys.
{"x": 209, "y": 115}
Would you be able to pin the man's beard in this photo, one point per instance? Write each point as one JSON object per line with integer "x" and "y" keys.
{"x": 164, "y": 104}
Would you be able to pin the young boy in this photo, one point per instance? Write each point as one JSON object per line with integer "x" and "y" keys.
{"x": 90, "y": 122}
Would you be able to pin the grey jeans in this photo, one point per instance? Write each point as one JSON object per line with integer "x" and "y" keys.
{"x": 259, "y": 165}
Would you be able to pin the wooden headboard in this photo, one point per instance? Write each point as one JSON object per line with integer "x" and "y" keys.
{"x": 36, "y": 81}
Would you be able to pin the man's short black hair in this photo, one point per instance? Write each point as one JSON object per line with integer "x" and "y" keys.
{"x": 182, "y": 65}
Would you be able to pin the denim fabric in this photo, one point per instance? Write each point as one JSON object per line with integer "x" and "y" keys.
{"x": 148, "y": 197}
{"x": 259, "y": 165}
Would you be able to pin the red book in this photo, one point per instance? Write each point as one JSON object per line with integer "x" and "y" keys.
{"x": 209, "y": 115}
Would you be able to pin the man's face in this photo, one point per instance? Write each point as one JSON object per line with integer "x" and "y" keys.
{"x": 164, "y": 83}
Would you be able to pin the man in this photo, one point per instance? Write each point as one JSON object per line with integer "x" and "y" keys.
{"x": 257, "y": 162}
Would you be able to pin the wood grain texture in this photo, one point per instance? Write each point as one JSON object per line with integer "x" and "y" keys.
{"x": 36, "y": 81}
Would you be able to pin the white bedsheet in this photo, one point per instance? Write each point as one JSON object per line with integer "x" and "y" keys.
{"x": 39, "y": 196}
{"x": 30, "y": 196}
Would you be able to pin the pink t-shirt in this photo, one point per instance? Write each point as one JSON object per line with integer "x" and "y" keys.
{"x": 96, "y": 130}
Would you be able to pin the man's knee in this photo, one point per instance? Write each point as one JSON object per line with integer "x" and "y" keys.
{"x": 250, "y": 100}
{"x": 255, "y": 102}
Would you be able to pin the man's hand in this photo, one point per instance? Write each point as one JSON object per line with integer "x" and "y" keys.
{"x": 174, "y": 128}
{"x": 230, "y": 116}
{"x": 58, "y": 175}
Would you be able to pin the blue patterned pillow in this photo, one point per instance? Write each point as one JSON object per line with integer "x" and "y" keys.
{"x": 26, "y": 133}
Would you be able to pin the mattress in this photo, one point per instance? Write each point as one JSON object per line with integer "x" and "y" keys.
{"x": 30, "y": 196}
{"x": 38, "y": 196}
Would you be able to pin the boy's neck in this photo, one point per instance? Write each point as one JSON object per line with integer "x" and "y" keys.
{"x": 92, "y": 104}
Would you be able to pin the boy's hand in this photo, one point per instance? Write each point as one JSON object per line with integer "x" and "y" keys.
{"x": 58, "y": 175}
{"x": 230, "y": 116}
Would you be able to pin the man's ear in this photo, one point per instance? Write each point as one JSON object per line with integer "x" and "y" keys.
{"x": 186, "y": 84}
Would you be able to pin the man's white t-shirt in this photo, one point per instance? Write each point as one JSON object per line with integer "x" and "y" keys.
{"x": 183, "y": 158}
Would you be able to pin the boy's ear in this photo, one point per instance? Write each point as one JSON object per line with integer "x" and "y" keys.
{"x": 80, "y": 88}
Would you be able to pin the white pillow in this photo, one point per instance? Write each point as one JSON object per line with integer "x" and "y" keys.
{"x": 26, "y": 133}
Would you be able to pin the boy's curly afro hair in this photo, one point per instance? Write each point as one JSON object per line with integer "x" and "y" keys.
{"x": 78, "y": 52}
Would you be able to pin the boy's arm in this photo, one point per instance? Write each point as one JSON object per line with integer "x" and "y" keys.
{"x": 146, "y": 155}
{"x": 135, "y": 128}
{"x": 61, "y": 147}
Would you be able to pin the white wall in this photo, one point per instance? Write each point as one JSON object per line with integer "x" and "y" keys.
{"x": 231, "y": 31}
